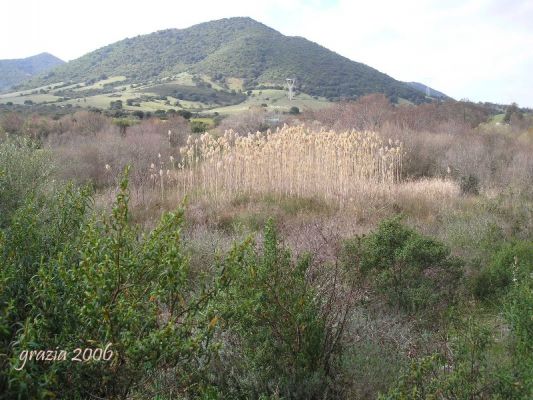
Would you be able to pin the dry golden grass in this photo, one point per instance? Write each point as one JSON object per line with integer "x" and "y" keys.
{"x": 293, "y": 161}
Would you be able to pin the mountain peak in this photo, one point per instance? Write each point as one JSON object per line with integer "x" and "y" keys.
{"x": 233, "y": 48}
{"x": 16, "y": 71}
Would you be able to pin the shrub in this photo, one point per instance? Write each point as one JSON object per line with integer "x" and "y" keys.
{"x": 413, "y": 271}
{"x": 516, "y": 381}
{"x": 12, "y": 122}
{"x": 101, "y": 282}
{"x": 477, "y": 366}
{"x": 24, "y": 173}
{"x": 294, "y": 110}
{"x": 199, "y": 127}
{"x": 276, "y": 338}
{"x": 463, "y": 374}
{"x": 513, "y": 261}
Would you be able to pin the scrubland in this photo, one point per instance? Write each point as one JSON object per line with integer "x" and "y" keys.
{"x": 361, "y": 251}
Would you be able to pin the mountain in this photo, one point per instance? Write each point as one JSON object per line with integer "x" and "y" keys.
{"x": 232, "y": 48}
{"x": 424, "y": 89}
{"x": 15, "y": 72}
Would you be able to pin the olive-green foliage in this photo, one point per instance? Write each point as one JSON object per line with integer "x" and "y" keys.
{"x": 24, "y": 173}
{"x": 512, "y": 109}
{"x": 251, "y": 325}
{"x": 516, "y": 381}
{"x": 475, "y": 367}
{"x": 513, "y": 261}
{"x": 294, "y": 110}
{"x": 273, "y": 327}
{"x": 70, "y": 280}
{"x": 462, "y": 374}
{"x": 199, "y": 127}
{"x": 413, "y": 271}
{"x": 38, "y": 230}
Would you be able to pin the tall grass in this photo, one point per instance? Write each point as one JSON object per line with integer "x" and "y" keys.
{"x": 292, "y": 161}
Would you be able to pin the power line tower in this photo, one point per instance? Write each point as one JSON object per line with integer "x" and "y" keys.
{"x": 428, "y": 91}
{"x": 290, "y": 85}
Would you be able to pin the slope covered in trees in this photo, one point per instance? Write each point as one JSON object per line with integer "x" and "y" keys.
{"x": 238, "y": 48}
{"x": 14, "y": 72}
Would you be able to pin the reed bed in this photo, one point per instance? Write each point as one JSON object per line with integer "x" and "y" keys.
{"x": 292, "y": 161}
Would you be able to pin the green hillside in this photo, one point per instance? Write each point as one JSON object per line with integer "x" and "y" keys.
{"x": 435, "y": 94}
{"x": 227, "y": 49}
{"x": 15, "y": 72}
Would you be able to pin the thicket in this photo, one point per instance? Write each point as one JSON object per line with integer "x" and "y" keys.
{"x": 394, "y": 310}
{"x": 415, "y": 273}
{"x": 253, "y": 326}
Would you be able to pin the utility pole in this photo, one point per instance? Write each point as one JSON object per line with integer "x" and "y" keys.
{"x": 290, "y": 85}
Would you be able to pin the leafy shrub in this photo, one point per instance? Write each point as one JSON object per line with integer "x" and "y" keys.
{"x": 413, "y": 271}
{"x": 477, "y": 366}
{"x": 463, "y": 374}
{"x": 513, "y": 261}
{"x": 24, "y": 172}
{"x": 275, "y": 340}
{"x": 96, "y": 281}
{"x": 38, "y": 231}
{"x": 199, "y": 127}
{"x": 294, "y": 110}
{"x": 516, "y": 380}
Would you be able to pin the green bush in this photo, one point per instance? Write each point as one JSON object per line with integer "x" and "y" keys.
{"x": 252, "y": 325}
{"x": 199, "y": 127}
{"x": 25, "y": 170}
{"x": 463, "y": 374}
{"x": 413, "y": 271}
{"x": 274, "y": 334}
{"x": 513, "y": 261}
{"x": 479, "y": 367}
{"x": 516, "y": 381}
{"x": 73, "y": 281}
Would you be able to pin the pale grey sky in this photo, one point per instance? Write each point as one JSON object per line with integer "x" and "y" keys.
{"x": 476, "y": 49}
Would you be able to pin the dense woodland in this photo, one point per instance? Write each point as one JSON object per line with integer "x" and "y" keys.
{"x": 412, "y": 285}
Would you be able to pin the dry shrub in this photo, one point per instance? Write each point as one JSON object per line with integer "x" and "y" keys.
{"x": 85, "y": 123}
{"x": 253, "y": 120}
{"x": 292, "y": 161}
{"x": 100, "y": 157}
{"x": 496, "y": 157}
{"x": 12, "y": 122}
{"x": 175, "y": 129}
{"x": 33, "y": 126}
{"x": 367, "y": 113}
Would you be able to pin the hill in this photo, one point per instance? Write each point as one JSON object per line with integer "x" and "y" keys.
{"x": 17, "y": 71}
{"x": 233, "y": 48}
{"x": 435, "y": 94}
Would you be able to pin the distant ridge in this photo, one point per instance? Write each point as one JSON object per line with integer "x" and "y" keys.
{"x": 237, "y": 47}
{"x": 432, "y": 92}
{"x": 17, "y": 71}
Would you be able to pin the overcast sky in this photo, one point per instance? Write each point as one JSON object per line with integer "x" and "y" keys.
{"x": 476, "y": 49}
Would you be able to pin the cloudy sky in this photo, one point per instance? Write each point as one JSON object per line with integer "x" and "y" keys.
{"x": 476, "y": 49}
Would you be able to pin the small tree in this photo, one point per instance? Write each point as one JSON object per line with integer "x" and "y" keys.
{"x": 115, "y": 105}
{"x": 123, "y": 125}
{"x": 294, "y": 110}
{"x": 511, "y": 110}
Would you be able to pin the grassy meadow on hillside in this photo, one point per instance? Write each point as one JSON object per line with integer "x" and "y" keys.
{"x": 362, "y": 250}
